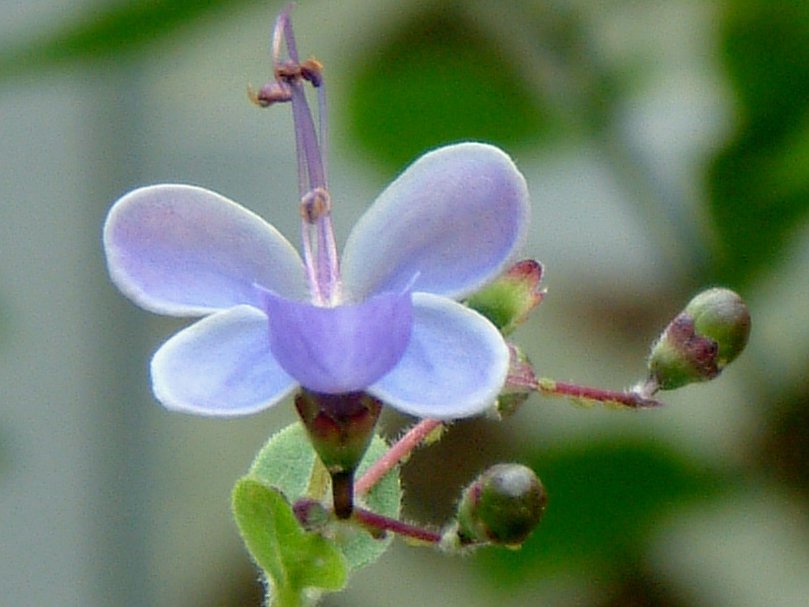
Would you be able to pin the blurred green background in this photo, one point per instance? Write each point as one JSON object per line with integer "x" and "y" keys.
{"x": 666, "y": 148}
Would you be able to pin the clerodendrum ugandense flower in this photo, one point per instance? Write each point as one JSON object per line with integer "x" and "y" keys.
{"x": 384, "y": 318}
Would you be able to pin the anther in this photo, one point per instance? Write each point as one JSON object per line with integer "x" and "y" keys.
{"x": 315, "y": 204}
{"x": 287, "y": 71}
{"x": 270, "y": 93}
{"x": 312, "y": 70}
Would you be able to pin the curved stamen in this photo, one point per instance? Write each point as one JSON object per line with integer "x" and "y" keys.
{"x": 317, "y": 233}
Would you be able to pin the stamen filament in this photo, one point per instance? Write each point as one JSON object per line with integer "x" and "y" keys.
{"x": 317, "y": 232}
{"x": 311, "y": 147}
{"x": 322, "y": 118}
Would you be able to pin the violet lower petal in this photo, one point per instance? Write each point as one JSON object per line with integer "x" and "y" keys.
{"x": 187, "y": 251}
{"x": 343, "y": 348}
{"x": 453, "y": 218}
{"x": 454, "y": 367}
{"x": 220, "y": 366}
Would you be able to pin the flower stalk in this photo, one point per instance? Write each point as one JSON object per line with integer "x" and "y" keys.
{"x": 521, "y": 379}
{"x": 377, "y": 523}
{"x": 398, "y": 453}
{"x": 619, "y": 398}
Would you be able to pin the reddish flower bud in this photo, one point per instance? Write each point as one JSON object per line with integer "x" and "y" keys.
{"x": 340, "y": 427}
{"x": 508, "y": 300}
{"x": 711, "y": 332}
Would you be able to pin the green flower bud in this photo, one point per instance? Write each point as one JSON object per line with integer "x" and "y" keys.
{"x": 508, "y": 300}
{"x": 521, "y": 382}
{"x": 701, "y": 340}
{"x": 340, "y": 427}
{"x": 502, "y": 506}
{"x": 721, "y": 315}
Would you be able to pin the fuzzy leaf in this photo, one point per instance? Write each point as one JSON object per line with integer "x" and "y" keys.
{"x": 292, "y": 559}
{"x": 288, "y": 463}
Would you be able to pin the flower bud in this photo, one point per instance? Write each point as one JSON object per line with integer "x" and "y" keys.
{"x": 340, "y": 427}
{"x": 311, "y": 514}
{"x": 521, "y": 382}
{"x": 507, "y": 301}
{"x": 711, "y": 332}
{"x": 721, "y": 315}
{"x": 502, "y": 506}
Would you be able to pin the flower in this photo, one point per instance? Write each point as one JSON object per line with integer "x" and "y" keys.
{"x": 443, "y": 229}
{"x": 383, "y": 319}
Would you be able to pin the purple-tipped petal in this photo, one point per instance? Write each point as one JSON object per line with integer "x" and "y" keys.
{"x": 340, "y": 349}
{"x": 455, "y": 364}
{"x": 220, "y": 366}
{"x": 187, "y": 251}
{"x": 453, "y": 218}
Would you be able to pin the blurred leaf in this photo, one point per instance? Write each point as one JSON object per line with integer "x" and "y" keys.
{"x": 288, "y": 462}
{"x": 759, "y": 185}
{"x": 602, "y": 500}
{"x": 783, "y": 450}
{"x": 110, "y": 29}
{"x": 439, "y": 79}
{"x": 293, "y": 559}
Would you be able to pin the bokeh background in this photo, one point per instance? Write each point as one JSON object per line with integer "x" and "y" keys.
{"x": 666, "y": 147}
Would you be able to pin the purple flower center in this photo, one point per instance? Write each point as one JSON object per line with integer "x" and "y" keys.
{"x": 343, "y": 348}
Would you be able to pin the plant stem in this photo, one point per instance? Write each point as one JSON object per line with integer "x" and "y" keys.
{"x": 377, "y": 522}
{"x": 398, "y": 452}
{"x": 342, "y": 484}
{"x": 521, "y": 379}
{"x": 625, "y": 398}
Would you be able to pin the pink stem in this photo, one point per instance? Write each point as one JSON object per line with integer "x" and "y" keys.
{"x": 378, "y": 522}
{"x": 399, "y": 451}
{"x": 625, "y": 398}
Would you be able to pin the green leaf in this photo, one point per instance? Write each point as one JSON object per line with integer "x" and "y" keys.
{"x": 288, "y": 462}
{"x": 441, "y": 77}
{"x": 603, "y": 502}
{"x": 293, "y": 559}
{"x": 759, "y": 184}
{"x": 110, "y": 29}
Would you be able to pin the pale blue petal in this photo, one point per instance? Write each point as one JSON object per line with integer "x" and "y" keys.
{"x": 455, "y": 364}
{"x": 220, "y": 366}
{"x": 187, "y": 251}
{"x": 453, "y": 219}
{"x": 341, "y": 349}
